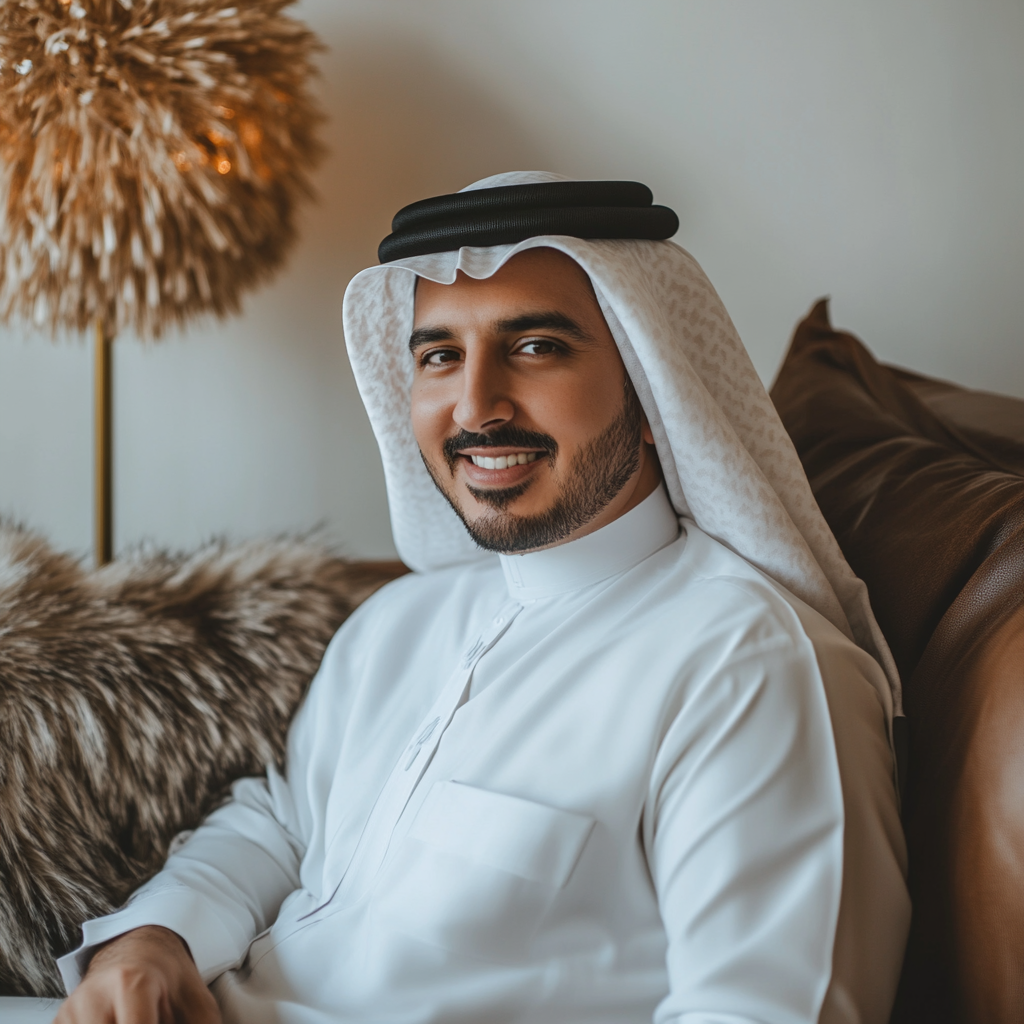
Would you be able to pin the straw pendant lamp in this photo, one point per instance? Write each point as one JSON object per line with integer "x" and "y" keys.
{"x": 152, "y": 154}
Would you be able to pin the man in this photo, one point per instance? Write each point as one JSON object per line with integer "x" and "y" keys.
{"x": 632, "y": 766}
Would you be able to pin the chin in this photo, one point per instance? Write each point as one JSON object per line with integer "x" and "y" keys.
{"x": 507, "y": 500}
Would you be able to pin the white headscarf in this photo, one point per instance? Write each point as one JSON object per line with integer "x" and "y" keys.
{"x": 726, "y": 457}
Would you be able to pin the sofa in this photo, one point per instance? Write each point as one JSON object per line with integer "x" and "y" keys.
{"x": 922, "y": 483}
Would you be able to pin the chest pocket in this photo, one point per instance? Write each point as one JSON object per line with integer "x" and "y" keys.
{"x": 478, "y": 871}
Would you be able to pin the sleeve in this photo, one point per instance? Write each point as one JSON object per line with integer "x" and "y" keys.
{"x": 224, "y": 884}
{"x": 743, "y": 829}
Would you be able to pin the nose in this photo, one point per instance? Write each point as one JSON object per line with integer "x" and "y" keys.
{"x": 484, "y": 402}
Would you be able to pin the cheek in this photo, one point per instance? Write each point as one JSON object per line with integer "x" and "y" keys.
{"x": 431, "y": 415}
{"x": 577, "y": 410}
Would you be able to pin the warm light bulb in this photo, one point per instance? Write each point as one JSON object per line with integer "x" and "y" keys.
{"x": 252, "y": 134}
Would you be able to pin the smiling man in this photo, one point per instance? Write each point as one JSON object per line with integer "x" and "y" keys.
{"x": 618, "y": 748}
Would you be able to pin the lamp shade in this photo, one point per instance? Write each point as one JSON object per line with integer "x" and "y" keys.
{"x": 152, "y": 154}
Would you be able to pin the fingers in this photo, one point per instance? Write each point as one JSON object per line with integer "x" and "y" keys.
{"x": 137, "y": 999}
{"x": 88, "y": 1004}
{"x": 129, "y": 996}
{"x": 83, "y": 1008}
{"x": 145, "y": 976}
{"x": 197, "y": 1006}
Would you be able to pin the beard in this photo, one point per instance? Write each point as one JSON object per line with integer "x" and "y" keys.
{"x": 596, "y": 474}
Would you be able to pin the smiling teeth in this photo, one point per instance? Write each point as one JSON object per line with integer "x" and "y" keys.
{"x": 503, "y": 461}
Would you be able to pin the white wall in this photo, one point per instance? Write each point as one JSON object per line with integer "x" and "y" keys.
{"x": 871, "y": 151}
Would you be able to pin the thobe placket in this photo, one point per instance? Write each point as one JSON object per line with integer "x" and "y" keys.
{"x": 346, "y": 884}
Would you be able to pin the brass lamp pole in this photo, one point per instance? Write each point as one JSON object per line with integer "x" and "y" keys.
{"x": 103, "y": 478}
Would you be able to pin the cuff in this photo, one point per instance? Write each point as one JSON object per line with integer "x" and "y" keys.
{"x": 213, "y": 943}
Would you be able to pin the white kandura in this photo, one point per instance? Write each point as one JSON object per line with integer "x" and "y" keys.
{"x": 592, "y": 783}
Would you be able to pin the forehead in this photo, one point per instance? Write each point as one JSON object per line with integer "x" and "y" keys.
{"x": 537, "y": 278}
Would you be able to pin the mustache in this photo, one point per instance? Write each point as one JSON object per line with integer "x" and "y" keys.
{"x": 508, "y": 436}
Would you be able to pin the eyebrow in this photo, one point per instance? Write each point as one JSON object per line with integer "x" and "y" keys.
{"x": 547, "y": 320}
{"x": 428, "y": 335}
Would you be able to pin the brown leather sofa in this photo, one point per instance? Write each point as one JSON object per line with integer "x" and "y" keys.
{"x": 922, "y": 483}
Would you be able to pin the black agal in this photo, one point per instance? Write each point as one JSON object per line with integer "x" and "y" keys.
{"x": 511, "y": 213}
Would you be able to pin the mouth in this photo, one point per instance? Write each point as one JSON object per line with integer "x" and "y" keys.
{"x": 498, "y": 467}
{"x": 502, "y": 461}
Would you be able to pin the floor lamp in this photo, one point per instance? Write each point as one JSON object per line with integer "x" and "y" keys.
{"x": 103, "y": 441}
{"x": 152, "y": 156}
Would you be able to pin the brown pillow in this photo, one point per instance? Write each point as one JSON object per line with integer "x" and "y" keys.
{"x": 922, "y": 483}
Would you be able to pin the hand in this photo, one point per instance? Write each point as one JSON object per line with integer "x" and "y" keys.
{"x": 145, "y": 976}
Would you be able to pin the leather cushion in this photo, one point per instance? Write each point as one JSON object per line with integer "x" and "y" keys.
{"x": 922, "y": 483}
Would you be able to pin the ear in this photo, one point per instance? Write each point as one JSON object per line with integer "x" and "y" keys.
{"x": 645, "y": 430}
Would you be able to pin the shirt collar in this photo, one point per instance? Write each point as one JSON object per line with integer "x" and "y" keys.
{"x": 613, "y": 549}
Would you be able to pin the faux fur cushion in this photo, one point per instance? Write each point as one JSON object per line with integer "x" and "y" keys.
{"x": 130, "y": 698}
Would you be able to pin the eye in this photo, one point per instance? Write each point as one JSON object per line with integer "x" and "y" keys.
{"x": 439, "y": 357}
{"x": 538, "y": 347}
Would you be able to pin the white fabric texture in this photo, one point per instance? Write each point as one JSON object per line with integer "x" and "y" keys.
{"x": 508, "y": 798}
{"x": 727, "y": 459}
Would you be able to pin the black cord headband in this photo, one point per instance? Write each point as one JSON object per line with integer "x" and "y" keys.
{"x": 512, "y": 213}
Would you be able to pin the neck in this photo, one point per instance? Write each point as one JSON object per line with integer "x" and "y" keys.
{"x": 620, "y": 545}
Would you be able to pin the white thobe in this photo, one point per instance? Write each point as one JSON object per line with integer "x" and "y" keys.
{"x": 600, "y": 782}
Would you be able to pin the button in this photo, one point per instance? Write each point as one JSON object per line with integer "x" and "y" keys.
{"x": 468, "y": 657}
{"x": 421, "y": 739}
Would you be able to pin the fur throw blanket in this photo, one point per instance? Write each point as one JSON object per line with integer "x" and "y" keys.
{"x": 130, "y": 698}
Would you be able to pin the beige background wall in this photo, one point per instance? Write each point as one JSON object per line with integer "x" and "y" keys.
{"x": 872, "y": 151}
